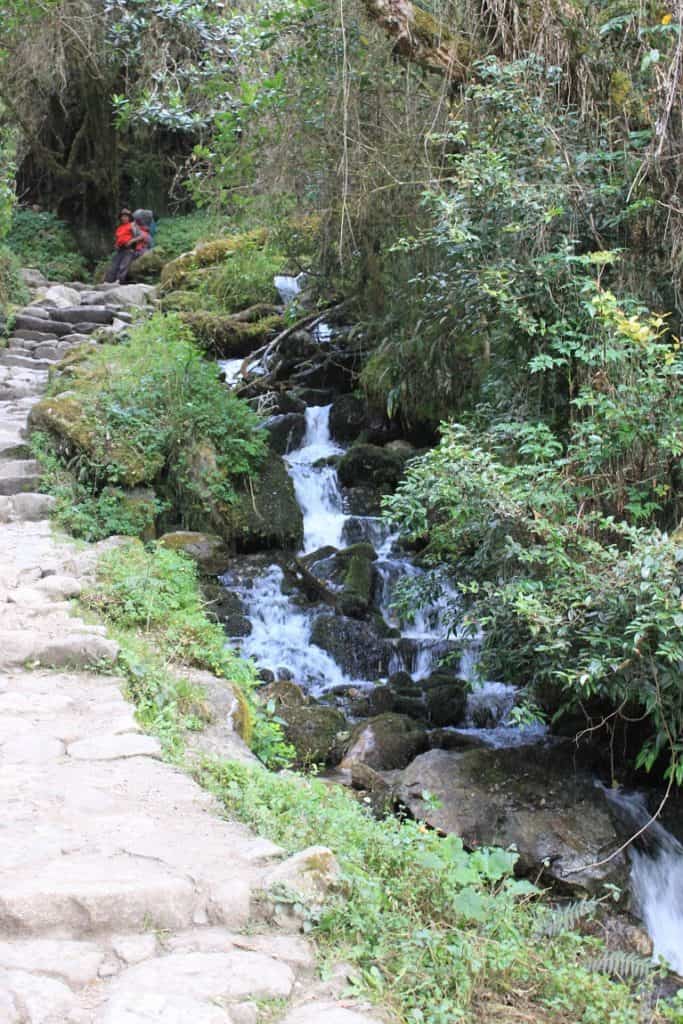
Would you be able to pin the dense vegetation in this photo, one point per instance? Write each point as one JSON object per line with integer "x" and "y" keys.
{"x": 493, "y": 189}
{"x": 121, "y": 416}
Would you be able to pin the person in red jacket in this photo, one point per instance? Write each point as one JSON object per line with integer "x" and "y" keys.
{"x": 125, "y": 240}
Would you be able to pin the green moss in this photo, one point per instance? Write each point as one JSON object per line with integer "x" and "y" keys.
{"x": 183, "y": 300}
{"x": 175, "y": 274}
{"x": 357, "y": 588}
{"x": 227, "y": 337}
{"x": 148, "y": 268}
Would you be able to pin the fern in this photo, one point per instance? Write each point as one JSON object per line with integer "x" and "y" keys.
{"x": 624, "y": 966}
{"x": 566, "y": 920}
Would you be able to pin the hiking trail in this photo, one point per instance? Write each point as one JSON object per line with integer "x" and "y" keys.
{"x": 124, "y": 897}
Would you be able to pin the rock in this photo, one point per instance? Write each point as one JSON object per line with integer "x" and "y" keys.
{"x": 133, "y": 949}
{"x": 22, "y": 322}
{"x": 386, "y": 742}
{"x": 354, "y": 645}
{"x": 445, "y": 698}
{"x": 35, "y": 1000}
{"x": 206, "y": 549}
{"x": 359, "y": 578}
{"x": 129, "y": 295}
{"x": 268, "y": 515}
{"x": 314, "y": 731}
{"x": 61, "y": 296}
{"x": 284, "y": 694}
{"x": 227, "y": 607}
{"x": 33, "y": 278}
{"x": 349, "y": 417}
{"x": 206, "y": 979}
{"x": 527, "y": 796}
{"x": 367, "y": 780}
{"x": 286, "y": 431}
{"x": 326, "y": 1013}
{"x": 77, "y": 650}
{"x": 75, "y": 963}
{"x": 147, "y": 268}
{"x": 113, "y": 747}
{"x": 310, "y": 874}
{"x": 455, "y": 739}
{"x": 225, "y": 714}
{"x": 365, "y": 464}
{"x": 370, "y": 703}
{"x": 297, "y": 346}
{"x": 30, "y": 507}
{"x": 83, "y": 314}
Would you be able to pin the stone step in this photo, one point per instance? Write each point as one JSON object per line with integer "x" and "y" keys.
{"x": 27, "y": 361}
{"x": 19, "y": 475}
{"x": 13, "y": 447}
{"x": 20, "y": 345}
{"x": 32, "y": 323}
{"x": 28, "y": 507}
{"x": 23, "y": 334}
{"x": 80, "y": 314}
{"x": 53, "y": 350}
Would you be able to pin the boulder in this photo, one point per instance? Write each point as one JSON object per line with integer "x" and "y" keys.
{"x": 531, "y": 797}
{"x": 147, "y": 268}
{"x": 354, "y": 645}
{"x": 206, "y": 549}
{"x": 265, "y": 515}
{"x": 33, "y": 278}
{"x": 386, "y": 742}
{"x": 314, "y": 732}
{"x": 310, "y": 874}
{"x": 359, "y": 580}
{"x": 227, "y": 722}
{"x": 365, "y": 464}
{"x": 445, "y": 698}
{"x": 284, "y": 694}
{"x": 227, "y": 608}
{"x": 286, "y": 431}
{"x": 61, "y": 297}
{"x": 129, "y": 295}
{"x": 375, "y": 701}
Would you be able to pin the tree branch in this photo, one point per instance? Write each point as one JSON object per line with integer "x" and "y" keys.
{"x": 421, "y": 38}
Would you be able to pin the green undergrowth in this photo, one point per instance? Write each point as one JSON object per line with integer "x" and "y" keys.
{"x": 150, "y": 597}
{"x": 437, "y": 934}
{"x": 129, "y": 429}
{"x": 12, "y": 289}
{"x": 40, "y": 239}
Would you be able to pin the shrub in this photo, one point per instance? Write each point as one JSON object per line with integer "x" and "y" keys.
{"x": 12, "y": 288}
{"x": 128, "y": 414}
{"x": 41, "y": 240}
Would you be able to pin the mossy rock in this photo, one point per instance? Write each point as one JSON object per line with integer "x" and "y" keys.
{"x": 225, "y": 336}
{"x": 175, "y": 274}
{"x": 386, "y": 742}
{"x": 359, "y": 579}
{"x": 206, "y": 549}
{"x": 355, "y": 646}
{"x": 265, "y": 514}
{"x": 445, "y": 698}
{"x": 63, "y": 417}
{"x": 314, "y": 732}
{"x": 182, "y": 302}
{"x": 146, "y": 269}
{"x": 368, "y": 463}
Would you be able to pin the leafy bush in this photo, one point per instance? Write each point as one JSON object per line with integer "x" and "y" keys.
{"x": 41, "y": 240}
{"x": 138, "y": 412}
{"x": 434, "y": 933}
{"x": 243, "y": 279}
{"x": 151, "y": 597}
{"x": 181, "y": 233}
{"x": 555, "y": 537}
{"x": 12, "y": 288}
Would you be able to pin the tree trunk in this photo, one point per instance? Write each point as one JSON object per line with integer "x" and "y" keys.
{"x": 421, "y": 38}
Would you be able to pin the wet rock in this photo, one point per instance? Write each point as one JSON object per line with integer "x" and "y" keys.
{"x": 314, "y": 732}
{"x": 206, "y": 549}
{"x": 298, "y": 345}
{"x": 349, "y": 417}
{"x": 527, "y": 796}
{"x": 287, "y": 401}
{"x": 284, "y": 694}
{"x": 445, "y": 698}
{"x": 365, "y": 464}
{"x": 313, "y": 396}
{"x": 227, "y": 608}
{"x": 386, "y": 742}
{"x": 376, "y": 701}
{"x": 359, "y": 579}
{"x": 455, "y": 739}
{"x": 266, "y": 514}
{"x": 286, "y": 431}
{"x": 354, "y": 645}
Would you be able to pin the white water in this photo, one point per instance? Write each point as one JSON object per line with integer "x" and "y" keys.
{"x": 316, "y": 486}
{"x": 281, "y": 636}
{"x": 656, "y": 878}
{"x": 231, "y": 369}
{"x": 288, "y": 287}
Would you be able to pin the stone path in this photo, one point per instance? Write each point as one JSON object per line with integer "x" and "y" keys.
{"x": 124, "y": 898}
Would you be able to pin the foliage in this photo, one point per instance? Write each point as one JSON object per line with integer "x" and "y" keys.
{"x": 151, "y": 597}
{"x": 554, "y": 536}
{"x": 433, "y": 932}
{"x": 12, "y": 288}
{"x": 243, "y": 279}
{"x": 181, "y": 232}
{"x": 131, "y": 410}
{"x": 41, "y": 240}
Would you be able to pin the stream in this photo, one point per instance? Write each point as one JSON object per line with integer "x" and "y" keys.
{"x": 282, "y": 624}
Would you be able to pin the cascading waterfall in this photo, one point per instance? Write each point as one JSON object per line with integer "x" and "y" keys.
{"x": 315, "y": 483}
{"x": 656, "y": 877}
